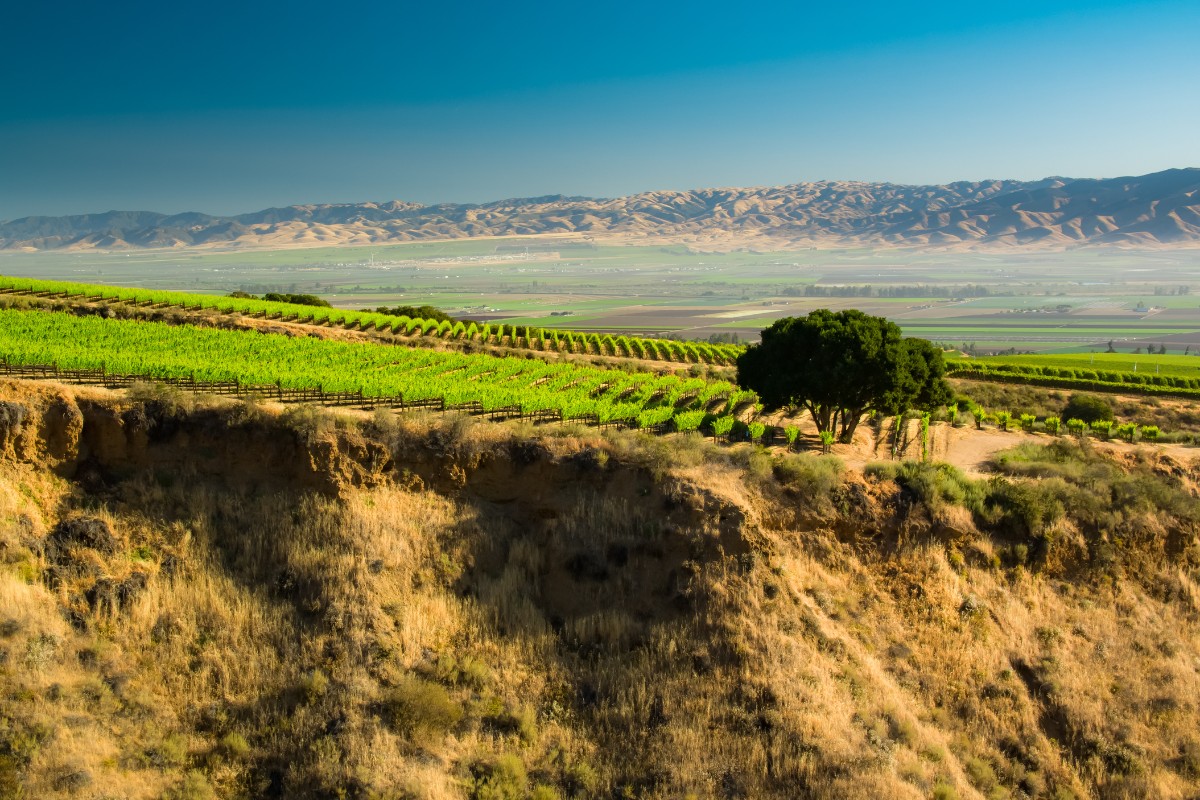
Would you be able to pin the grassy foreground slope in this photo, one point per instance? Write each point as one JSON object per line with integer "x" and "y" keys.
{"x": 216, "y": 601}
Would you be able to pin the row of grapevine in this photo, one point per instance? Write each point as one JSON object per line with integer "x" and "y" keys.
{"x": 158, "y": 350}
{"x": 1053, "y": 425}
{"x": 546, "y": 339}
{"x": 1072, "y": 378}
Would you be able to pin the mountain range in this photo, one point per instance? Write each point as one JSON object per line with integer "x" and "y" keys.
{"x": 1155, "y": 210}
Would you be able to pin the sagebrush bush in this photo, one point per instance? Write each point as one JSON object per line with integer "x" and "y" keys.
{"x": 420, "y": 710}
{"x": 501, "y": 778}
{"x": 310, "y": 423}
{"x": 936, "y": 485}
{"x": 813, "y": 477}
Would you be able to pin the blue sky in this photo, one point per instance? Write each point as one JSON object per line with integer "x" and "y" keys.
{"x": 226, "y": 107}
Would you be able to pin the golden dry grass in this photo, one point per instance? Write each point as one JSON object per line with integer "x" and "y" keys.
{"x": 615, "y": 617}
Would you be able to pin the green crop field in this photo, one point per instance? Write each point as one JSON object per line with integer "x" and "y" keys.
{"x": 1147, "y": 364}
{"x": 981, "y": 302}
{"x": 513, "y": 335}
{"x": 158, "y": 350}
{"x": 1142, "y": 374}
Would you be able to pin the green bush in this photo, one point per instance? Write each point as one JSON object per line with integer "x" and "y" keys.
{"x": 421, "y": 710}
{"x": 935, "y": 485}
{"x": 812, "y": 477}
{"x": 1088, "y": 408}
{"x": 944, "y": 791}
{"x": 1127, "y": 431}
{"x": 518, "y": 721}
{"x": 195, "y": 786}
{"x": 1003, "y": 418}
{"x": 1077, "y": 427}
{"x": 1026, "y": 509}
{"x": 314, "y": 685}
{"x": 1150, "y": 433}
{"x": 1027, "y": 422}
{"x": 234, "y": 745}
{"x": 502, "y": 778}
{"x": 1052, "y": 425}
{"x": 1102, "y": 428}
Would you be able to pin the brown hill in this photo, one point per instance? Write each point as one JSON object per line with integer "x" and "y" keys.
{"x": 1161, "y": 209}
{"x": 224, "y": 600}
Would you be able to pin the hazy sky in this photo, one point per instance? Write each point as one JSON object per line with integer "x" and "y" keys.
{"x": 231, "y": 107}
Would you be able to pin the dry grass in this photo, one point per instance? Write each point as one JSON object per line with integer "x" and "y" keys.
{"x": 468, "y": 610}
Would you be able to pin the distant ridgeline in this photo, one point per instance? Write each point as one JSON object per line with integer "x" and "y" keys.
{"x": 1153, "y": 210}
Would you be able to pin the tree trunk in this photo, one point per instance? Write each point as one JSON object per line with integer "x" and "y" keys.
{"x": 849, "y": 424}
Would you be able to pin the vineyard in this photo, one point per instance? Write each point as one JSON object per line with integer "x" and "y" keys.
{"x": 567, "y": 390}
{"x": 516, "y": 336}
{"x": 1170, "y": 376}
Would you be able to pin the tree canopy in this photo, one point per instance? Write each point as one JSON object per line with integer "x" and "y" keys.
{"x": 415, "y": 312}
{"x": 840, "y": 365}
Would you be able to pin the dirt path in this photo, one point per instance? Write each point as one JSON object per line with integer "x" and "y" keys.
{"x": 966, "y": 448}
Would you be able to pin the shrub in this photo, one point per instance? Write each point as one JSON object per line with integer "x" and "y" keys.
{"x": 296, "y": 299}
{"x": 314, "y": 685}
{"x": 310, "y": 423}
{"x": 1052, "y": 425}
{"x": 1003, "y": 418}
{"x": 421, "y": 710}
{"x": 502, "y": 778}
{"x": 981, "y": 773}
{"x": 1027, "y": 422}
{"x": 519, "y": 721}
{"x": 826, "y": 441}
{"x": 193, "y": 787}
{"x": 1127, "y": 431}
{"x": 1103, "y": 428}
{"x": 234, "y": 745}
{"x": 814, "y": 478}
{"x": 980, "y": 415}
{"x": 1150, "y": 433}
{"x": 1088, "y": 408}
{"x": 756, "y": 430}
{"x": 1077, "y": 427}
{"x": 172, "y": 751}
{"x": 944, "y": 791}
{"x": 1028, "y": 509}
{"x": 935, "y": 485}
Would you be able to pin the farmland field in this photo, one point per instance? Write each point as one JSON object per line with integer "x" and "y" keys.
{"x": 1148, "y": 364}
{"x": 537, "y": 338}
{"x": 976, "y": 301}
{"x": 158, "y": 350}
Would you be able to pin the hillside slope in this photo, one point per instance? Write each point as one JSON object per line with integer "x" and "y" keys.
{"x": 223, "y": 600}
{"x": 1162, "y": 209}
